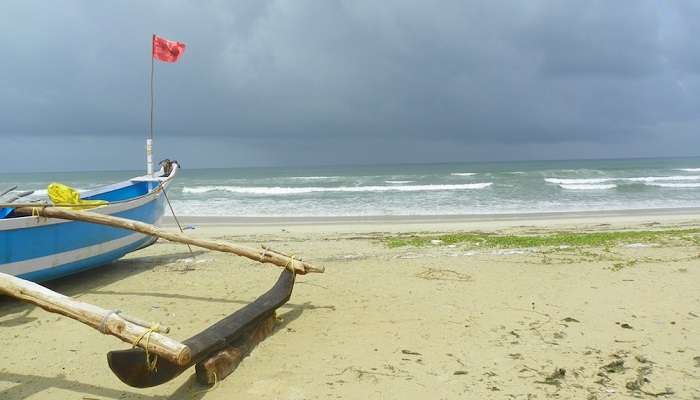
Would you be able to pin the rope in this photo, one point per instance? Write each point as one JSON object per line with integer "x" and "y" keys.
{"x": 262, "y": 255}
{"x": 290, "y": 263}
{"x": 177, "y": 221}
{"x": 150, "y": 364}
{"x": 213, "y": 386}
{"x": 103, "y": 324}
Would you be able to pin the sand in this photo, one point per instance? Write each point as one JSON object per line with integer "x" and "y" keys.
{"x": 435, "y": 322}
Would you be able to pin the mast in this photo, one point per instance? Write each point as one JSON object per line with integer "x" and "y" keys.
{"x": 149, "y": 139}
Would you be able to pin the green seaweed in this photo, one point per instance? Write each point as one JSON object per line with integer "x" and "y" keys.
{"x": 590, "y": 239}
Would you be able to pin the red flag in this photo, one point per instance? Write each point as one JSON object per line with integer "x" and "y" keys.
{"x": 167, "y": 50}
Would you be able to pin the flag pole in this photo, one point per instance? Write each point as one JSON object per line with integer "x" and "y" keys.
{"x": 149, "y": 140}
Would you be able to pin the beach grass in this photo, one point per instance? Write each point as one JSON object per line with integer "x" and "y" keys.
{"x": 590, "y": 239}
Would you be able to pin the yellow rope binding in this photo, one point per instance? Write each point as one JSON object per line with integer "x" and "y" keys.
{"x": 290, "y": 263}
{"x": 150, "y": 364}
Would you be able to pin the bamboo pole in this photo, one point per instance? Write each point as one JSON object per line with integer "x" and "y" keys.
{"x": 142, "y": 322}
{"x": 9, "y": 201}
{"x": 105, "y": 321}
{"x": 263, "y": 256}
{"x": 7, "y": 190}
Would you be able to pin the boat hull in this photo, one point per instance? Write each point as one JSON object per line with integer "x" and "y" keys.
{"x": 40, "y": 249}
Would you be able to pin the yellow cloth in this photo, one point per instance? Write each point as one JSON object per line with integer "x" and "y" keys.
{"x": 62, "y": 195}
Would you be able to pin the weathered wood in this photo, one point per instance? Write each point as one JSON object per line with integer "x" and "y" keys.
{"x": 7, "y": 190}
{"x": 224, "y": 363}
{"x": 263, "y": 256}
{"x": 105, "y": 321}
{"x": 268, "y": 248}
{"x": 11, "y": 199}
{"x": 130, "y": 365}
{"x": 142, "y": 322}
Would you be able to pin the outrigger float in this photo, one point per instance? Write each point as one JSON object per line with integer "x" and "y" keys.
{"x": 156, "y": 358}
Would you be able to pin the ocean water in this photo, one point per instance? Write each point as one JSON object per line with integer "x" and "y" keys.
{"x": 417, "y": 189}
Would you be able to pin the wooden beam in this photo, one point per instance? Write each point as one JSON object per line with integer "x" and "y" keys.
{"x": 11, "y": 199}
{"x": 263, "y": 256}
{"x": 105, "y": 321}
{"x": 7, "y": 190}
{"x": 223, "y": 363}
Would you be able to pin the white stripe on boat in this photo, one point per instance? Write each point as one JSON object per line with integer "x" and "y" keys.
{"x": 56, "y": 260}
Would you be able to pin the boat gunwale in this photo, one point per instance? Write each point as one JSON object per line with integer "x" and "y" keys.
{"x": 111, "y": 208}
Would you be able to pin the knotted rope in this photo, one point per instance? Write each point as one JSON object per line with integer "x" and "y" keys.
{"x": 290, "y": 264}
{"x": 150, "y": 363}
{"x": 103, "y": 324}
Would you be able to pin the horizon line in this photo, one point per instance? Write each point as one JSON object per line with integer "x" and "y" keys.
{"x": 342, "y": 165}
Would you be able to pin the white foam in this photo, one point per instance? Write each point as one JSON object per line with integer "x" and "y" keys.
{"x": 688, "y": 169}
{"x": 463, "y": 173}
{"x": 579, "y": 181}
{"x": 594, "y": 181}
{"x": 665, "y": 178}
{"x": 398, "y": 182}
{"x": 587, "y": 187}
{"x": 313, "y": 178}
{"x": 673, "y": 185}
{"x": 265, "y": 190}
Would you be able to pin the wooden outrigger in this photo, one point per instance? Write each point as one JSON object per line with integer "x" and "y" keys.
{"x": 133, "y": 366}
{"x": 157, "y": 358}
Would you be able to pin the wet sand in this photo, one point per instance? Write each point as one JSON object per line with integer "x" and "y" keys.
{"x": 442, "y": 322}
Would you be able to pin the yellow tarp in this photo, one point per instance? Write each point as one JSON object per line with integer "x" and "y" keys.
{"x": 62, "y": 195}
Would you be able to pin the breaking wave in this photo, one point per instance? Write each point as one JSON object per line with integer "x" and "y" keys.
{"x": 398, "y": 182}
{"x": 263, "y": 190}
{"x": 665, "y": 178}
{"x": 580, "y": 181}
{"x": 313, "y": 178}
{"x": 674, "y": 185}
{"x": 587, "y": 186}
{"x": 463, "y": 173}
{"x": 688, "y": 169}
{"x": 642, "y": 179}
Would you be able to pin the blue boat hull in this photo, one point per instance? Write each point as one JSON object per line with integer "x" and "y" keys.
{"x": 40, "y": 249}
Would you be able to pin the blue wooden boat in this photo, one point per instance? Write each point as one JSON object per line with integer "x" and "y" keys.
{"x": 40, "y": 249}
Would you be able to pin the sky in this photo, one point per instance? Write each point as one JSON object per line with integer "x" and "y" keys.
{"x": 297, "y": 82}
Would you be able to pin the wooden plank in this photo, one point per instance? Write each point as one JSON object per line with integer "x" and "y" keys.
{"x": 223, "y": 363}
{"x": 11, "y": 199}
{"x": 263, "y": 255}
{"x": 7, "y": 190}
{"x": 105, "y": 321}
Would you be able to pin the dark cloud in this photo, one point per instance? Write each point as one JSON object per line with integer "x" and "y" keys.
{"x": 356, "y": 81}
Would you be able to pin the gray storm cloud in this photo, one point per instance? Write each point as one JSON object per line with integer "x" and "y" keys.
{"x": 358, "y": 81}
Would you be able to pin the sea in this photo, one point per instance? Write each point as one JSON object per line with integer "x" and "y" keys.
{"x": 413, "y": 189}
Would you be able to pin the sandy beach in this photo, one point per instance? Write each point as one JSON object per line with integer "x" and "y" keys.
{"x": 392, "y": 320}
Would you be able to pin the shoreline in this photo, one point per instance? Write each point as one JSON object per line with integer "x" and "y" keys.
{"x": 505, "y": 218}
